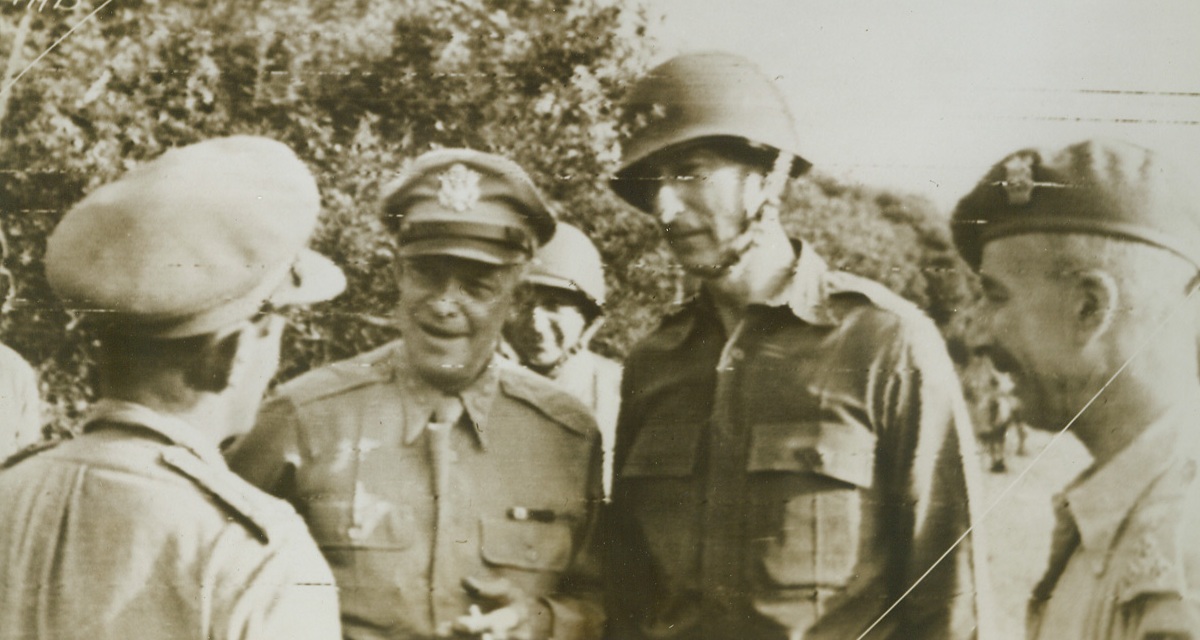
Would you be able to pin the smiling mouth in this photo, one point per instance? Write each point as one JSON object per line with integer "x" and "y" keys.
{"x": 438, "y": 332}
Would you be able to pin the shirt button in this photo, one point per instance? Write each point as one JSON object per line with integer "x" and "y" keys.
{"x": 532, "y": 555}
{"x": 736, "y": 354}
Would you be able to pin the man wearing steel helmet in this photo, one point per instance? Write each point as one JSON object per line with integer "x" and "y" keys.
{"x": 1089, "y": 256}
{"x": 551, "y": 329}
{"x": 792, "y": 453}
{"x": 452, "y": 491}
{"x": 136, "y": 528}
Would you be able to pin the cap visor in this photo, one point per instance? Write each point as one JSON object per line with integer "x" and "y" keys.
{"x": 465, "y": 248}
{"x": 313, "y": 278}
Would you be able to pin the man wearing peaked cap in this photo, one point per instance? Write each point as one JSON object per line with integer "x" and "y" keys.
{"x": 1089, "y": 258}
{"x": 793, "y": 457}
{"x": 137, "y": 528}
{"x": 453, "y": 492}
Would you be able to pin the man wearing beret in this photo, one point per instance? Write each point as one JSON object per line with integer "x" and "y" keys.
{"x": 452, "y": 491}
{"x": 136, "y": 528}
{"x": 1090, "y": 258}
{"x": 793, "y": 457}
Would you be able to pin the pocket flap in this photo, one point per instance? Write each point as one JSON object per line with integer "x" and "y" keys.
{"x": 832, "y": 449}
{"x": 663, "y": 450}
{"x": 526, "y": 544}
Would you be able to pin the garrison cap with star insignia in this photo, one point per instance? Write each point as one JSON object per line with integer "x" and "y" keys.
{"x": 467, "y": 204}
{"x": 1102, "y": 187}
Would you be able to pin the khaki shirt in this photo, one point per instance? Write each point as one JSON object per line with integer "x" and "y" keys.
{"x": 136, "y": 529}
{"x": 20, "y": 406}
{"x": 1125, "y": 560}
{"x": 404, "y": 516}
{"x": 795, "y": 479}
{"x": 596, "y": 381}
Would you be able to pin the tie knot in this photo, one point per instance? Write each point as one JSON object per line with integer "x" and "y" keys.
{"x": 447, "y": 410}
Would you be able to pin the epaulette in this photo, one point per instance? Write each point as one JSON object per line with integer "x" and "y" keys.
{"x": 841, "y": 283}
{"x": 549, "y": 400}
{"x": 258, "y": 513}
{"x": 372, "y": 367}
{"x": 28, "y": 452}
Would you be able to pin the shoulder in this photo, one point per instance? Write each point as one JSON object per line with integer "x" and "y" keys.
{"x": 28, "y": 452}
{"x": 240, "y": 504}
{"x": 1160, "y": 552}
{"x": 845, "y": 292}
{"x": 546, "y": 398}
{"x": 373, "y": 367}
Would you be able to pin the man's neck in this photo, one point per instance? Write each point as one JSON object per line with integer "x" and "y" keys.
{"x": 1125, "y": 409}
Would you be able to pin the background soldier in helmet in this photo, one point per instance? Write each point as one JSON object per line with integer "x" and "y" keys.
{"x": 453, "y": 491}
{"x": 792, "y": 452}
{"x": 20, "y": 404}
{"x": 136, "y": 528}
{"x": 551, "y": 329}
{"x": 1089, "y": 256}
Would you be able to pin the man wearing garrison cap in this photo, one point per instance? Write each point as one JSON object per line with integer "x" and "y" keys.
{"x": 1089, "y": 258}
{"x": 452, "y": 491}
{"x": 136, "y": 528}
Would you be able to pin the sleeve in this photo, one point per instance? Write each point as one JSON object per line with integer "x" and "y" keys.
{"x": 288, "y": 593}
{"x": 269, "y": 455}
{"x": 577, "y": 611}
{"x": 939, "y": 580}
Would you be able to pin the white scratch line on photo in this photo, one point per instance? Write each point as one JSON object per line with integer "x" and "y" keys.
{"x": 51, "y": 47}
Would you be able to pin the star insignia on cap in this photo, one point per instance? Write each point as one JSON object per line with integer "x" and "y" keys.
{"x": 459, "y": 188}
{"x": 1018, "y": 179}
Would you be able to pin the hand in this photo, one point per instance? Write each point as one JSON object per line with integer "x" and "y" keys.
{"x": 507, "y": 617}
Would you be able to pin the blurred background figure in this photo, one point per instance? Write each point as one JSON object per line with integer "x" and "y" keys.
{"x": 994, "y": 409}
{"x": 20, "y": 407}
{"x": 552, "y": 327}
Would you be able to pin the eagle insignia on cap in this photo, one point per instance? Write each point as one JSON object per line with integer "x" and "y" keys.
{"x": 459, "y": 188}
{"x": 1018, "y": 179}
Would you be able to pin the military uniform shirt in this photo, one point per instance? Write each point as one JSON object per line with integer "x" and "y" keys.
{"x": 20, "y": 406}
{"x": 404, "y": 512}
{"x": 1126, "y": 562}
{"x": 796, "y": 478}
{"x": 596, "y": 381}
{"x": 137, "y": 529}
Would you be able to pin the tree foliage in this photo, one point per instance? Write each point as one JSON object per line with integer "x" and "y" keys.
{"x": 357, "y": 88}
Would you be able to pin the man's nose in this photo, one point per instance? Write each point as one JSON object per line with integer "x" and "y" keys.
{"x": 667, "y": 202}
{"x": 448, "y": 299}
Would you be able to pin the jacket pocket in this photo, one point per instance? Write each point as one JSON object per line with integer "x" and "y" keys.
{"x": 807, "y": 480}
{"x": 526, "y": 544}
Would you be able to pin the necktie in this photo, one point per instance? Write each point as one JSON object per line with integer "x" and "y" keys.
{"x": 446, "y": 414}
{"x": 1063, "y": 542}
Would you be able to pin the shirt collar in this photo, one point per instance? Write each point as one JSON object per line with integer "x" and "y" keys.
{"x": 174, "y": 430}
{"x": 806, "y": 294}
{"x": 421, "y": 398}
{"x": 1102, "y": 498}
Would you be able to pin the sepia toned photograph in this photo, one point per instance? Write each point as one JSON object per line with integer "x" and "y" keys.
{"x": 599, "y": 319}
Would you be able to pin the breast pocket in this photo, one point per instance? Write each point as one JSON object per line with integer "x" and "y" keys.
{"x": 526, "y": 544}
{"x": 660, "y": 491}
{"x": 807, "y": 481}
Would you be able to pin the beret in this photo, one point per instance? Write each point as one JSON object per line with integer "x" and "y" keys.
{"x": 194, "y": 240}
{"x": 468, "y": 204}
{"x": 1102, "y": 187}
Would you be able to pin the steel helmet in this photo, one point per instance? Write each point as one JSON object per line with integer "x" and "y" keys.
{"x": 571, "y": 262}
{"x": 697, "y": 96}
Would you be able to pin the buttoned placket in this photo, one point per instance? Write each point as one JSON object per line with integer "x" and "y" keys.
{"x": 726, "y": 477}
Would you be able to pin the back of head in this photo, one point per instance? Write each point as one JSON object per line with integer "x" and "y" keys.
{"x": 187, "y": 245}
{"x": 193, "y": 241}
{"x": 703, "y": 96}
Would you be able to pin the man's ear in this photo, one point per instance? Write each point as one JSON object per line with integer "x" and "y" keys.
{"x": 214, "y": 371}
{"x": 1097, "y": 298}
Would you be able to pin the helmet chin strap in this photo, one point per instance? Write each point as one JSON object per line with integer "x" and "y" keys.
{"x": 760, "y": 205}
{"x": 551, "y": 371}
